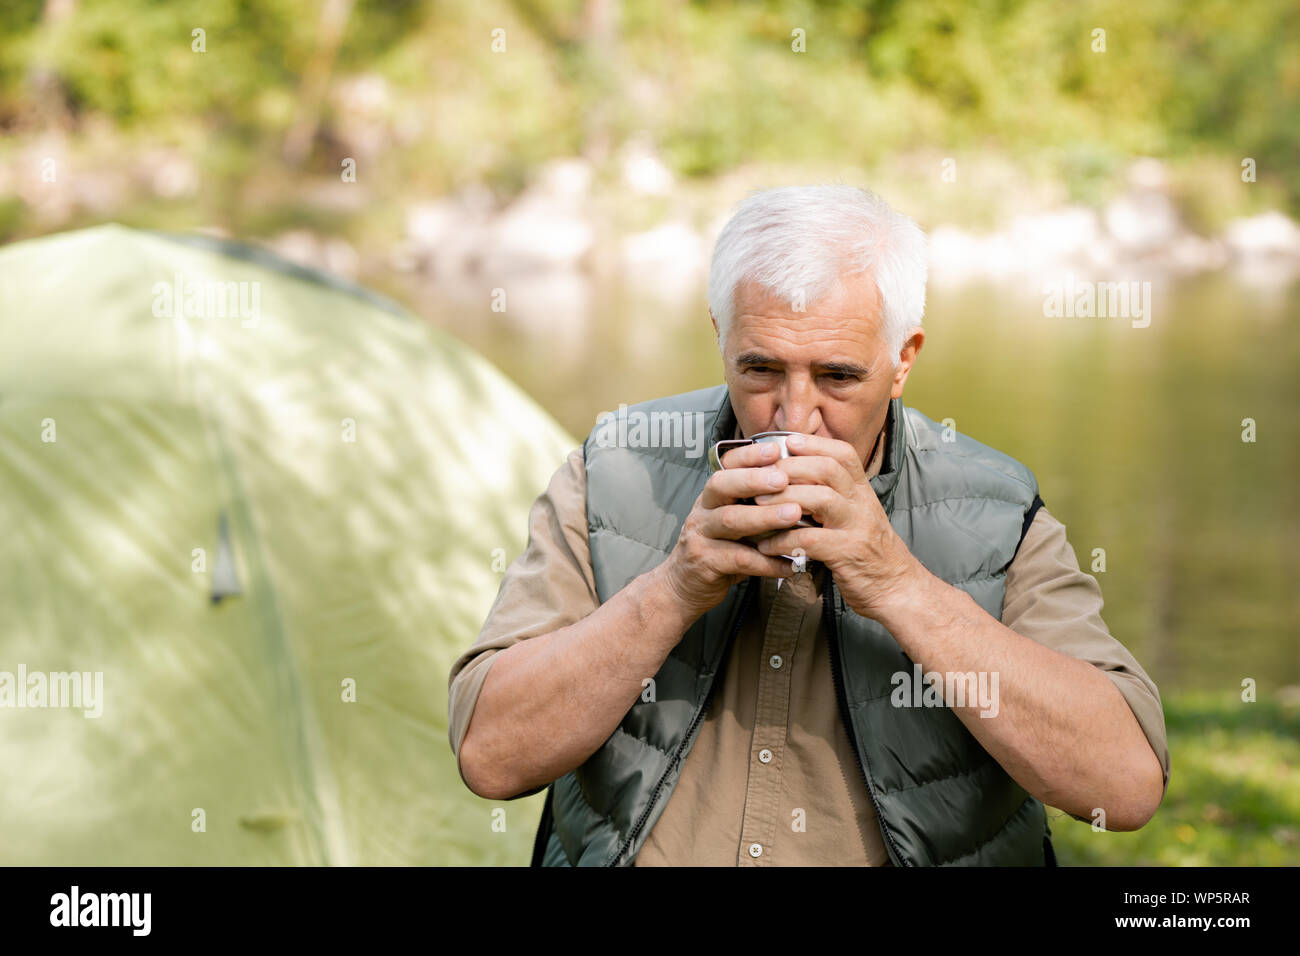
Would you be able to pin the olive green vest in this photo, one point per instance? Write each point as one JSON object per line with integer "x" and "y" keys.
{"x": 961, "y": 508}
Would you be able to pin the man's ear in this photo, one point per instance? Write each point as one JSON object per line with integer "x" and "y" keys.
{"x": 905, "y": 359}
{"x": 715, "y": 323}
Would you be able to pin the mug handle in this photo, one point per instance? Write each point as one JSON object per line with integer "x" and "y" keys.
{"x": 717, "y": 451}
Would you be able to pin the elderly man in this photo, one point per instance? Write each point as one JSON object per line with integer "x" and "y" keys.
{"x": 691, "y": 697}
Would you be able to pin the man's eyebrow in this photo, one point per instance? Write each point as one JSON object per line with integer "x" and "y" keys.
{"x": 747, "y": 359}
{"x": 751, "y": 359}
{"x": 848, "y": 368}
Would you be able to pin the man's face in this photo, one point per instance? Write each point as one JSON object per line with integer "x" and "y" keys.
{"x": 823, "y": 371}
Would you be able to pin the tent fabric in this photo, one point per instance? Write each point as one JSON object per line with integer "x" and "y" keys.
{"x": 270, "y": 534}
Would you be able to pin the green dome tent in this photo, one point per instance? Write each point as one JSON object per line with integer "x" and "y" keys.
{"x": 258, "y": 513}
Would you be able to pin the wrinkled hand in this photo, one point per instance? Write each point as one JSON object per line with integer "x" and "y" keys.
{"x": 871, "y": 564}
{"x": 709, "y": 557}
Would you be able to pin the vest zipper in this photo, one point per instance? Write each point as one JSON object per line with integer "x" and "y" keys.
{"x": 690, "y": 731}
{"x": 833, "y": 632}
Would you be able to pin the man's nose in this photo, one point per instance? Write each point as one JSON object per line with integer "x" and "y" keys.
{"x": 798, "y": 409}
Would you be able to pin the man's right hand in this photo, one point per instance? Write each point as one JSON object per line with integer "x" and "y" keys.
{"x": 709, "y": 559}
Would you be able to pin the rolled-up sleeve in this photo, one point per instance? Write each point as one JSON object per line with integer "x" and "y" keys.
{"x": 1049, "y": 599}
{"x": 549, "y": 586}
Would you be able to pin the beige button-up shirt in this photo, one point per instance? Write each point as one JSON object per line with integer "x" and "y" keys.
{"x": 772, "y": 779}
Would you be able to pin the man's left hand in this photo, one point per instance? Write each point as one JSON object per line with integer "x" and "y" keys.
{"x": 871, "y": 564}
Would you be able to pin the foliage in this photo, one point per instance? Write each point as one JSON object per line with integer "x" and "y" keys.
{"x": 715, "y": 84}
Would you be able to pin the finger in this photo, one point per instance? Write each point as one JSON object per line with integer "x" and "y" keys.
{"x": 733, "y": 522}
{"x": 751, "y": 456}
{"x": 727, "y": 487}
{"x": 840, "y": 451}
{"x": 818, "y": 470}
{"x": 824, "y": 504}
{"x": 809, "y": 541}
{"x": 737, "y": 558}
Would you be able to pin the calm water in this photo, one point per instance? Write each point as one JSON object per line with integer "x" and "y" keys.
{"x": 1135, "y": 435}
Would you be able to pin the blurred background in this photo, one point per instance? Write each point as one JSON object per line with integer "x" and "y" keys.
{"x": 544, "y": 181}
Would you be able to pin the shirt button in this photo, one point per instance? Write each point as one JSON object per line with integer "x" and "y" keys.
{"x": 765, "y": 755}
{"x": 775, "y": 661}
{"x": 755, "y": 850}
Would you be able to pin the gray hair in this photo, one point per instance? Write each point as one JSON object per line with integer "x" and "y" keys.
{"x": 802, "y": 240}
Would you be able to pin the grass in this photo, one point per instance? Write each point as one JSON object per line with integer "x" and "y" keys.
{"x": 1233, "y": 798}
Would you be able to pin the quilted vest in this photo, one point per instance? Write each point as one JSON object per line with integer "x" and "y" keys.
{"x": 962, "y": 509}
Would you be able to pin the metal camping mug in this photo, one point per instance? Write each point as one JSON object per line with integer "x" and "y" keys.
{"x": 718, "y": 449}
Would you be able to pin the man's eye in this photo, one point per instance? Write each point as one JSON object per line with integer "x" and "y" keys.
{"x": 841, "y": 376}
